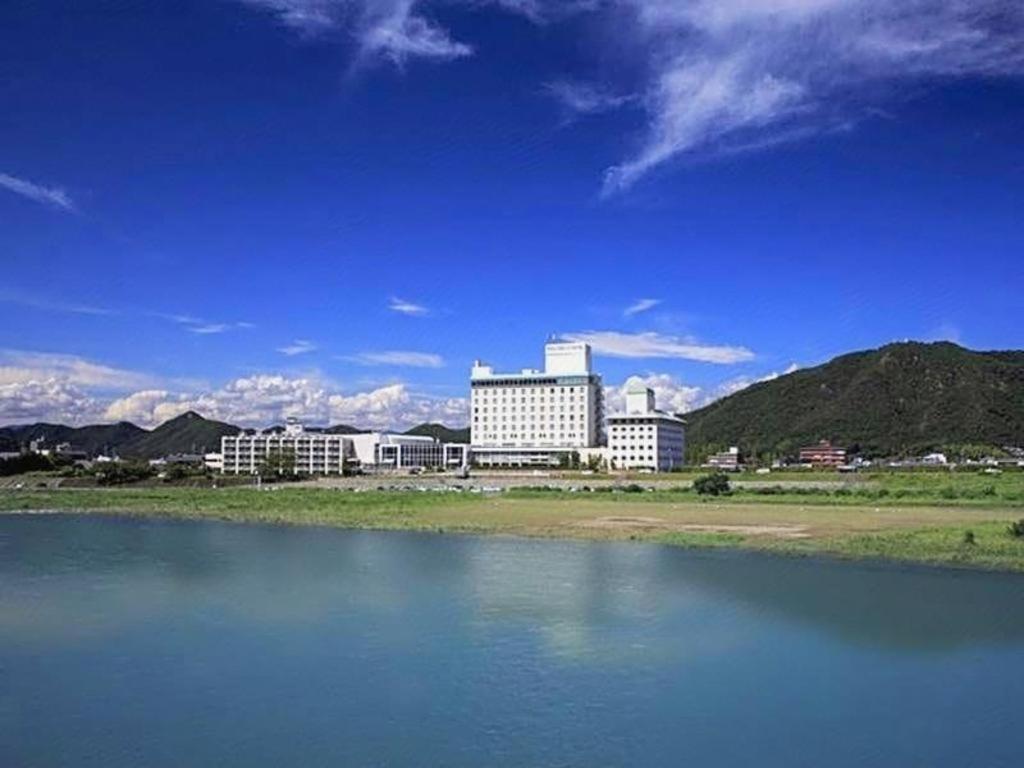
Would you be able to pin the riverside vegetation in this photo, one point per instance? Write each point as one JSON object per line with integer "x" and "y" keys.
{"x": 961, "y": 519}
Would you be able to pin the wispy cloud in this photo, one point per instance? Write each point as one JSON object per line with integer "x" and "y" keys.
{"x": 656, "y": 345}
{"x": 398, "y": 358}
{"x": 202, "y": 327}
{"x": 20, "y": 366}
{"x": 297, "y": 347}
{"x": 394, "y": 29}
{"x": 579, "y": 98}
{"x": 640, "y": 305}
{"x": 210, "y": 328}
{"x": 52, "y": 305}
{"x": 55, "y": 197}
{"x": 730, "y": 74}
{"x": 732, "y": 386}
{"x": 407, "y": 307}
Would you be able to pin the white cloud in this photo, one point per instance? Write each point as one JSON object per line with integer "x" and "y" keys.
{"x": 261, "y": 400}
{"x": 37, "y": 386}
{"x": 579, "y": 98}
{"x": 407, "y": 307}
{"x": 731, "y": 74}
{"x": 52, "y": 399}
{"x": 198, "y": 325}
{"x": 640, "y": 305}
{"x": 17, "y": 366}
{"x": 55, "y": 197}
{"x": 674, "y": 396}
{"x": 146, "y": 408}
{"x": 49, "y": 305}
{"x": 297, "y": 347}
{"x": 656, "y": 345}
{"x": 390, "y": 28}
{"x": 732, "y": 386}
{"x": 670, "y": 394}
{"x": 209, "y": 328}
{"x": 398, "y": 357}
{"x": 398, "y": 33}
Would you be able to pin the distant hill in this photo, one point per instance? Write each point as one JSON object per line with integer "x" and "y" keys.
{"x": 900, "y": 399}
{"x": 97, "y": 438}
{"x": 343, "y": 429}
{"x": 441, "y": 432}
{"x": 188, "y": 433}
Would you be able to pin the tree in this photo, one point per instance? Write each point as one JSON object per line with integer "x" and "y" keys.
{"x": 279, "y": 463}
{"x": 712, "y": 485}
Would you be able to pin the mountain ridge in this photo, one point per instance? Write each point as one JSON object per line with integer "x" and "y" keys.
{"x": 901, "y": 398}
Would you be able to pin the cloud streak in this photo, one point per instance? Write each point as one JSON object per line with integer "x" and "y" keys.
{"x": 735, "y": 74}
{"x": 398, "y": 358}
{"x": 392, "y": 29}
{"x": 649, "y": 345}
{"x": 50, "y": 305}
{"x": 19, "y": 366}
{"x": 297, "y": 347}
{"x": 54, "y": 197}
{"x": 407, "y": 307}
{"x": 640, "y": 305}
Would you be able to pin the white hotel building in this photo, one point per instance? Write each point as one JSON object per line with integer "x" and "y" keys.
{"x": 644, "y": 437}
{"x": 537, "y": 417}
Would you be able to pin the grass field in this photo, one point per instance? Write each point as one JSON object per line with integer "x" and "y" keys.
{"x": 885, "y": 527}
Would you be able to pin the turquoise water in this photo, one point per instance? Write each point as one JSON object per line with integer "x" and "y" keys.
{"x": 156, "y": 643}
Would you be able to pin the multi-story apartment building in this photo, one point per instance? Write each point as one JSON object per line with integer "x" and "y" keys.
{"x": 537, "y": 417}
{"x": 309, "y": 453}
{"x": 643, "y": 437}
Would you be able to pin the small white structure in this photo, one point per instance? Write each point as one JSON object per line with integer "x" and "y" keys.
{"x": 729, "y": 461}
{"x": 644, "y": 437}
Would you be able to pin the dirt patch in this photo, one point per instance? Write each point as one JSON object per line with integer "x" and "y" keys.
{"x": 660, "y": 524}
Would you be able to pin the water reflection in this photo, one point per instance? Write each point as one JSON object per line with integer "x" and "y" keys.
{"x": 130, "y": 642}
{"x": 55, "y": 571}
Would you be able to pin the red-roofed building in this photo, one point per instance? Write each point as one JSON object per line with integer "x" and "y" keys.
{"x": 824, "y": 454}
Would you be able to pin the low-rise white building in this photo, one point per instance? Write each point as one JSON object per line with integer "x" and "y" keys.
{"x": 307, "y": 453}
{"x": 321, "y": 453}
{"x": 728, "y": 461}
{"x": 386, "y": 450}
{"x": 643, "y": 437}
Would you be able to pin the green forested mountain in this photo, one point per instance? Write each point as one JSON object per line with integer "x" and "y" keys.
{"x": 188, "y": 433}
{"x": 441, "y": 432}
{"x": 900, "y": 399}
{"x": 97, "y": 438}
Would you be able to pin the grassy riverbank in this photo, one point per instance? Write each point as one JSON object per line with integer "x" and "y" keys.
{"x": 880, "y": 528}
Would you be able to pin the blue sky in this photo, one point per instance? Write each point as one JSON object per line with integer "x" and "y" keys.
{"x": 329, "y": 208}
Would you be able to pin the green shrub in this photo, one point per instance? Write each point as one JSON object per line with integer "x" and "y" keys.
{"x": 1016, "y": 529}
{"x": 712, "y": 485}
{"x": 969, "y": 538}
